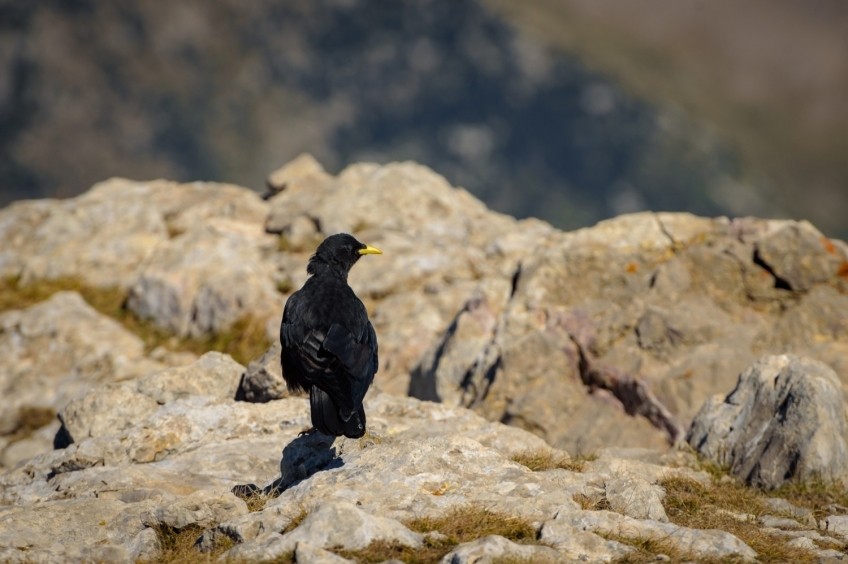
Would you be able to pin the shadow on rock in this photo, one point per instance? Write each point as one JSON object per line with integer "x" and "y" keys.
{"x": 303, "y": 457}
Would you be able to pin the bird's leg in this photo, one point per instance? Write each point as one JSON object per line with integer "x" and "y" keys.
{"x": 307, "y": 431}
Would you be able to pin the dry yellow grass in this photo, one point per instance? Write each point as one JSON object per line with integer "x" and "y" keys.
{"x": 459, "y": 525}
{"x": 538, "y": 461}
{"x": 244, "y": 341}
{"x": 731, "y": 507}
{"x": 178, "y": 546}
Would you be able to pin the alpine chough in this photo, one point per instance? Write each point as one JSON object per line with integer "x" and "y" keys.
{"x": 329, "y": 347}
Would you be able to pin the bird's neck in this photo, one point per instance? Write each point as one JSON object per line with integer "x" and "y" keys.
{"x": 323, "y": 269}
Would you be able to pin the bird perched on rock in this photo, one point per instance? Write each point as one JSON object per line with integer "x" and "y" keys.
{"x": 329, "y": 347}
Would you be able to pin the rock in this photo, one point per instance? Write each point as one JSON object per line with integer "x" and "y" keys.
{"x": 204, "y": 280}
{"x": 307, "y": 554}
{"x": 774, "y": 522}
{"x": 116, "y": 407}
{"x": 709, "y": 543}
{"x": 801, "y": 514}
{"x": 53, "y": 352}
{"x": 660, "y": 300}
{"x": 263, "y": 380}
{"x": 837, "y": 524}
{"x": 580, "y": 545}
{"x": 101, "y": 237}
{"x": 110, "y": 529}
{"x": 341, "y": 524}
{"x": 640, "y": 318}
{"x": 494, "y": 547}
{"x": 203, "y": 508}
{"x": 785, "y": 420}
{"x": 635, "y": 497}
{"x": 799, "y": 256}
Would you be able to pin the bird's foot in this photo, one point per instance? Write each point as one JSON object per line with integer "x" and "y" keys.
{"x": 369, "y": 439}
{"x": 307, "y": 431}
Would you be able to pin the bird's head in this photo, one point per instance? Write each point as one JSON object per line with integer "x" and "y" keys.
{"x": 338, "y": 253}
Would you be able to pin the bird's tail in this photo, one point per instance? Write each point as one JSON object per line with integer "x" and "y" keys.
{"x": 326, "y": 418}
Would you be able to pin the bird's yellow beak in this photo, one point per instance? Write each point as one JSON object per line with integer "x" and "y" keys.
{"x": 369, "y": 250}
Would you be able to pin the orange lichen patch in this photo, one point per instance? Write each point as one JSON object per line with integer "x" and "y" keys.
{"x": 631, "y": 267}
{"x": 843, "y": 269}
{"x": 828, "y": 245}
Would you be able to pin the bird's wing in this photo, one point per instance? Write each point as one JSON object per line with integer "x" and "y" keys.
{"x": 357, "y": 356}
{"x": 300, "y": 347}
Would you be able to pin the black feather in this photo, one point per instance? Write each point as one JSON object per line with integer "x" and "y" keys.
{"x": 329, "y": 347}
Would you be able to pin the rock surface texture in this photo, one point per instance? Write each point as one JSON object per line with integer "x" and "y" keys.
{"x": 499, "y": 339}
{"x": 784, "y": 420}
{"x": 166, "y": 450}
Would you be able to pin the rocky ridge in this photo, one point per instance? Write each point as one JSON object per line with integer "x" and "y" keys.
{"x": 591, "y": 340}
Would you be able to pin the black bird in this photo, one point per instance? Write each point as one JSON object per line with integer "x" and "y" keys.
{"x": 328, "y": 344}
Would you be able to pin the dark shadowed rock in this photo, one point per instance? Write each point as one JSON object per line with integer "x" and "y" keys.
{"x": 785, "y": 420}
{"x": 263, "y": 380}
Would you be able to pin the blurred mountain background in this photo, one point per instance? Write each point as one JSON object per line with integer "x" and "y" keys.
{"x": 568, "y": 110}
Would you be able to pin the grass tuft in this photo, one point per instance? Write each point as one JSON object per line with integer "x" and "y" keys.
{"x": 647, "y": 550}
{"x": 540, "y": 460}
{"x": 731, "y": 507}
{"x": 457, "y": 526}
{"x": 178, "y": 546}
{"x": 822, "y": 498}
{"x": 244, "y": 340}
{"x": 592, "y": 503}
{"x": 296, "y": 521}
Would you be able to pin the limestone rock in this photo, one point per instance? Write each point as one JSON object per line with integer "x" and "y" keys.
{"x": 799, "y": 256}
{"x": 112, "y": 531}
{"x": 307, "y": 554}
{"x": 204, "y": 280}
{"x": 784, "y": 420}
{"x": 342, "y": 524}
{"x": 634, "y": 319}
{"x": 837, "y": 524}
{"x": 494, "y": 547}
{"x": 53, "y": 352}
{"x": 580, "y": 545}
{"x": 116, "y": 407}
{"x": 709, "y": 543}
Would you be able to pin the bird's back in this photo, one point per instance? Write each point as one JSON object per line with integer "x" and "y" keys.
{"x": 328, "y": 343}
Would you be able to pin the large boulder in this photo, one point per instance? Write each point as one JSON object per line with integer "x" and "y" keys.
{"x": 784, "y": 421}
{"x": 618, "y": 333}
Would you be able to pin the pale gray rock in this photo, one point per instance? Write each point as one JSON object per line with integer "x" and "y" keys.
{"x": 837, "y": 524}
{"x": 641, "y": 311}
{"x": 100, "y": 237}
{"x": 635, "y": 497}
{"x": 428, "y": 457}
{"x": 799, "y": 255}
{"x": 110, "y": 530}
{"x": 801, "y": 514}
{"x": 772, "y": 521}
{"x": 784, "y": 420}
{"x": 493, "y": 548}
{"x": 263, "y": 381}
{"x": 580, "y": 545}
{"x": 117, "y": 407}
{"x": 710, "y": 543}
{"x": 341, "y": 524}
{"x": 307, "y": 554}
{"x": 54, "y": 352}
{"x": 204, "y": 280}
{"x": 203, "y": 508}
{"x": 107, "y": 235}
